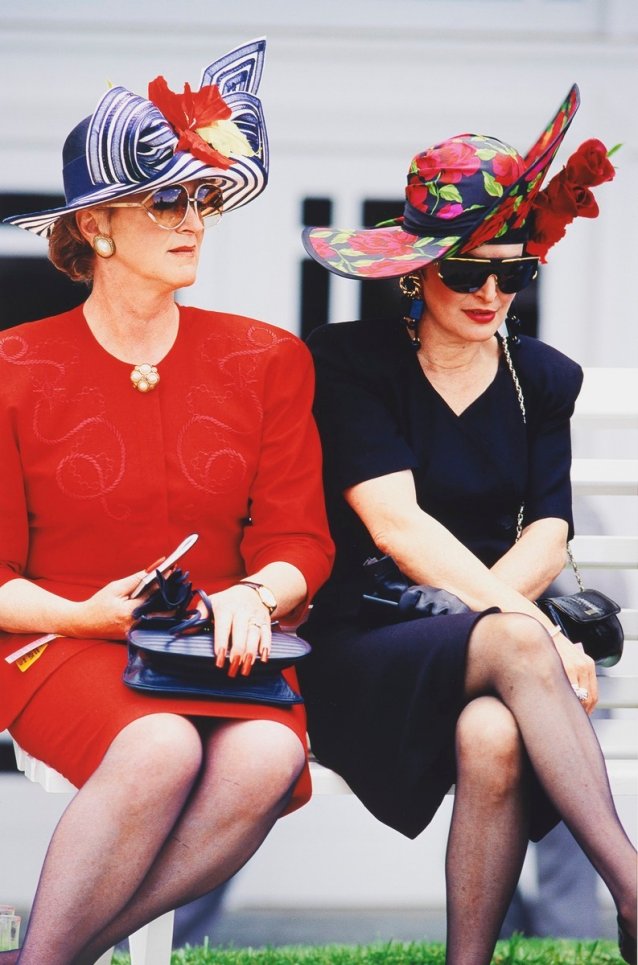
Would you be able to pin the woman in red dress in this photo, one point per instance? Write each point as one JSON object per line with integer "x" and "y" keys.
{"x": 124, "y": 425}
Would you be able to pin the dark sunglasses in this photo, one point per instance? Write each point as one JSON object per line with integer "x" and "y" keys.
{"x": 467, "y": 275}
{"x": 168, "y": 207}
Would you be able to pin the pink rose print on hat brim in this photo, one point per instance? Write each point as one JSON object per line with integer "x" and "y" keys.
{"x": 461, "y": 193}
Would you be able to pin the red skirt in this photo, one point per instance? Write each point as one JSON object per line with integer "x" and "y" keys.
{"x": 71, "y": 720}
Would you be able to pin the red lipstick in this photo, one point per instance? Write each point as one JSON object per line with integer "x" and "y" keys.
{"x": 479, "y": 315}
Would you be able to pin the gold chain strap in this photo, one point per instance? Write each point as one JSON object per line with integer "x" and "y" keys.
{"x": 517, "y": 384}
{"x": 521, "y": 512}
{"x": 521, "y": 403}
{"x": 579, "y": 579}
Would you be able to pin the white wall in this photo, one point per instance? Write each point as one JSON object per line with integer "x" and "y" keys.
{"x": 352, "y": 90}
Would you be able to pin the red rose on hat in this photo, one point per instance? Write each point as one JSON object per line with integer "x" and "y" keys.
{"x": 567, "y": 196}
{"x": 449, "y": 163}
{"x": 418, "y": 195}
{"x": 380, "y": 268}
{"x": 373, "y": 243}
{"x": 507, "y": 168}
{"x": 589, "y": 165}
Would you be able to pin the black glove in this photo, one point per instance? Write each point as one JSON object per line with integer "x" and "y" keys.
{"x": 428, "y": 601}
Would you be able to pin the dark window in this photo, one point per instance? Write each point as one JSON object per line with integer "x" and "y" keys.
{"x": 7, "y": 757}
{"x": 315, "y": 280}
{"x": 14, "y": 203}
{"x": 31, "y": 287}
{"x": 316, "y": 212}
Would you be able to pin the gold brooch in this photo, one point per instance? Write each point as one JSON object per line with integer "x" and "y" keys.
{"x": 145, "y": 377}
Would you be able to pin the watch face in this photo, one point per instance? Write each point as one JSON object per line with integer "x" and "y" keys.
{"x": 267, "y": 597}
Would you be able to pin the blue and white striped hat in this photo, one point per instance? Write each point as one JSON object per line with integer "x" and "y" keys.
{"x": 128, "y": 145}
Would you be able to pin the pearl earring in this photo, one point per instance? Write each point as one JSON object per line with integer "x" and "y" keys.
{"x": 103, "y": 246}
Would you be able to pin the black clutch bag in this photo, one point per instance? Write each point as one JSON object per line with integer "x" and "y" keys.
{"x": 171, "y": 651}
{"x": 590, "y": 618}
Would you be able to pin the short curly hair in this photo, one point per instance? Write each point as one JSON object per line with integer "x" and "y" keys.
{"x": 69, "y": 250}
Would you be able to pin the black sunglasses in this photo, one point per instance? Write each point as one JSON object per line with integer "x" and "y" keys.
{"x": 467, "y": 275}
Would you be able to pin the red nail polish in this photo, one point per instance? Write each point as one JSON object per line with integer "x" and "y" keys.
{"x": 234, "y": 666}
{"x": 247, "y": 664}
{"x": 153, "y": 566}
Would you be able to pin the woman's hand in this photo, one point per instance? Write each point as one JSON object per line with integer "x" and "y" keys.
{"x": 242, "y": 628}
{"x": 108, "y": 614}
{"x": 580, "y": 669}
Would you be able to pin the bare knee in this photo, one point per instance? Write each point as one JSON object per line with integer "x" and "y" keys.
{"x": 489, "y": 748}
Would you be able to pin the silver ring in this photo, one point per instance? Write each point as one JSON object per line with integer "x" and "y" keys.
{"x": 260, "y": 626}
{"x": 580, "y": 692}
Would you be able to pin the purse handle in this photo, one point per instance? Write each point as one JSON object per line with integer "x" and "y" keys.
{"x": 521, "y": 512}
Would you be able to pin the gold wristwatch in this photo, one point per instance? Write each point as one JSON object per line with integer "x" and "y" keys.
{"x": 266, "y": 596}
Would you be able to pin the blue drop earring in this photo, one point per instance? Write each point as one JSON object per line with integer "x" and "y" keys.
{"x": 513, "y": 325}
{"x": 410, "y": 286}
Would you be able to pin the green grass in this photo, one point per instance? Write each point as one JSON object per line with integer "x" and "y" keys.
{"x": 515, "y": 951}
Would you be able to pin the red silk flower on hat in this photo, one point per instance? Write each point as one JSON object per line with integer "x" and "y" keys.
{"x": 202, "y": 121}
{"x": 568, "y": 195}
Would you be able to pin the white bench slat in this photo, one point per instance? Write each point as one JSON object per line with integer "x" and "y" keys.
{"x": 618, "y": 741}
{"x": 596, "y": 477}
{"x": 40, "y": 773}
{"x": 629, "y": 620}
{"x": 617, "y": 691}
{"x": 623, "y": 777}
{"x": 608, "y": 552}
{"x": 608, "y": 397}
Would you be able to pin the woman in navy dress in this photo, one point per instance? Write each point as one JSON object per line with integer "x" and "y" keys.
{"x": 447, "y": 450}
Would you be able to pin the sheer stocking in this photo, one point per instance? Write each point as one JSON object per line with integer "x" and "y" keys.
{"x": 117, "y": 858}
{"x": 511, "y": 655}
{"x": 249, "y": 770}
{"x": 109, "y": 835}
{"x": 488, "y": 835}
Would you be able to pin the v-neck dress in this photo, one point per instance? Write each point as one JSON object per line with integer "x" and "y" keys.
{"x": 99, "y": 480}
{"x": 383, "y": 703}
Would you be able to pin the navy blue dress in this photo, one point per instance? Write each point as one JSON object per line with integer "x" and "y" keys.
{"x": 383, "y": 703}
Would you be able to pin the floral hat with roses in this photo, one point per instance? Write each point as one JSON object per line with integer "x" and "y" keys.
{"x": 131, "y": 143}
{"x": 467, "y": 191}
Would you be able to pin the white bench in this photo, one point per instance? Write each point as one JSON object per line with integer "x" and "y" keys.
{"x": 609, "y": 399}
